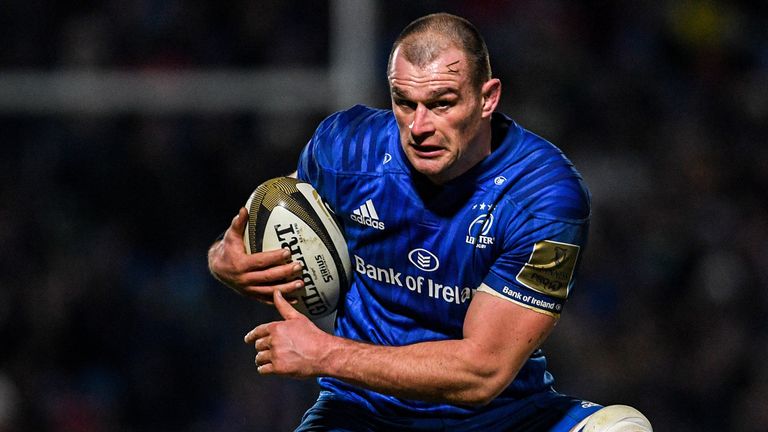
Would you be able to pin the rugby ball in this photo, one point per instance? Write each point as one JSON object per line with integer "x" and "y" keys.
{"x": 288, "y": 213}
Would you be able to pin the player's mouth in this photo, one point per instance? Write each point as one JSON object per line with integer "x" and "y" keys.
{"x": 427, "y": 151}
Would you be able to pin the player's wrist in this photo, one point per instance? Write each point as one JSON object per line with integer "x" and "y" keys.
{"x": 335, "y": 358}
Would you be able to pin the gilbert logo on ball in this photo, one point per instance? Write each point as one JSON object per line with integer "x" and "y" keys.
{"x": 287, "y": 213}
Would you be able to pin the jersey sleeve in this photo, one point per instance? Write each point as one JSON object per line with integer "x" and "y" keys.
{"x": 537, "y": 266}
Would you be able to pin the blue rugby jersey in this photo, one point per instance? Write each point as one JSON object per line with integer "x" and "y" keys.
{"x": 512, "y": 226}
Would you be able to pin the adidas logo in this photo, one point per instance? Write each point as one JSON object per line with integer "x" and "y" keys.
{"x": 366, "y": 215}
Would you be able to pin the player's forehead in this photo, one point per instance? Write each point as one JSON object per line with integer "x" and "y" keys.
{"x": 447, "y": 72}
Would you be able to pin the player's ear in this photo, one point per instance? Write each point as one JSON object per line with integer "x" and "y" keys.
{"x": 490, "y": 93}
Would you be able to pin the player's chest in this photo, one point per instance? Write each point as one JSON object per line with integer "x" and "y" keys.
{"x": 453, "y": 235}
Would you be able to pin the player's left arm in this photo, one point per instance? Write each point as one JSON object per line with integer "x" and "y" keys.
{"x": 499, "y": 336}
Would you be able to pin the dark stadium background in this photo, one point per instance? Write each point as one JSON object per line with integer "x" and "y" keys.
{"x": 109, "y": 320}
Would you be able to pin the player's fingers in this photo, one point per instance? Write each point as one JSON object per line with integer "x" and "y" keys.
{"x": 238, "y": 222}
{"x": 259, "y": 332}
{"x": 263, "y": 362}
{"x": 263, "y": 357}
{"x": 272, "y": 275}
{"x": 266, "y": 369}
{"x": 263, "y": 344}
{"x": 264, "y": 293}
{"x": 266, "y": 259}
{"x": 286, "y": 310}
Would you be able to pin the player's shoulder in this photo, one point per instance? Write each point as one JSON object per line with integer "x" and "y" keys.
{"x": 351, "y": 140}
{"x": 544, "y": 180}
{"x": 356, "y": 120}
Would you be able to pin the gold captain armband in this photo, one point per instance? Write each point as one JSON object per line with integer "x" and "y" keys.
{"x": 550, "y": 268}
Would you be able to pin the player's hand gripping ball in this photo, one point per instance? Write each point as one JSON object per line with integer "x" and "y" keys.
{"x": 287, "y": 213}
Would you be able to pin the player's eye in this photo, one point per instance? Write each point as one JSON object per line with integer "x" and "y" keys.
{"x": 404, "y": 103}
{"x": 442, "y": 104}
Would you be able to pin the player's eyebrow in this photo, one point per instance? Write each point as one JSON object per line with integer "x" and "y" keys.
{"x": 399, "y": 93}
{"x": 435, "y": 94}
{"x": 438, "y": 93}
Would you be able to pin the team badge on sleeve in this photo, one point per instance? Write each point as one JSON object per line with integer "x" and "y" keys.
{"x": 550, "y": 268}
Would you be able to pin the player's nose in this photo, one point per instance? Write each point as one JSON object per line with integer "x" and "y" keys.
{"x": 421, "y": 123}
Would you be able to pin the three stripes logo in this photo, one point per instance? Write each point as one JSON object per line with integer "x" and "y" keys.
{"x": 366, "y": 215}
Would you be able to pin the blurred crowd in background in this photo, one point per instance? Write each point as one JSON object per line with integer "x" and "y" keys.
{"x": 110, "y": 321}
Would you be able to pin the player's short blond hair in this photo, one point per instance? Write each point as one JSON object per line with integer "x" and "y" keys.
{"x": 424, "y": 39}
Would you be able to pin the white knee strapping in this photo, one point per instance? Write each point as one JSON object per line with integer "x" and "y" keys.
{"x": 615, "y": 418}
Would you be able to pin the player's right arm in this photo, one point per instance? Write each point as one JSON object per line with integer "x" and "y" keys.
{"x": 254, "y": 275}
